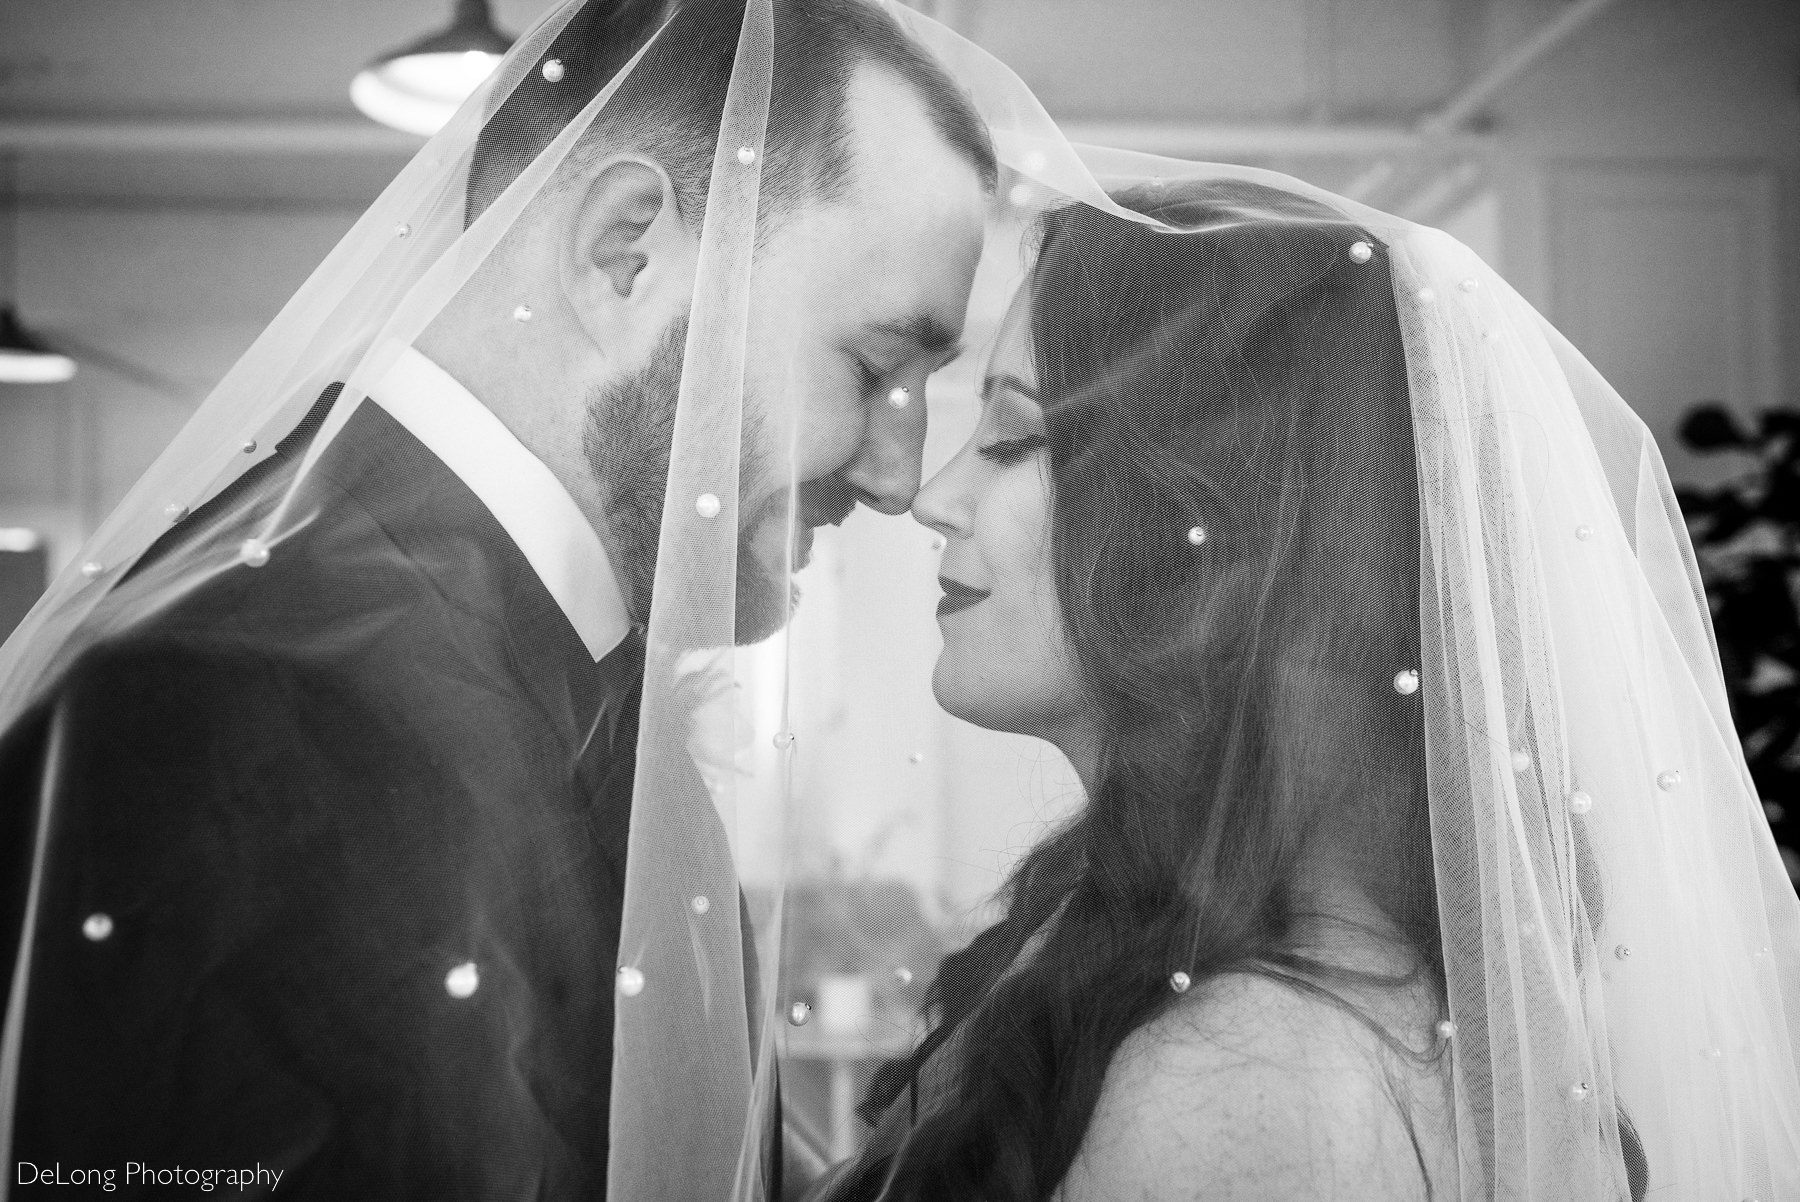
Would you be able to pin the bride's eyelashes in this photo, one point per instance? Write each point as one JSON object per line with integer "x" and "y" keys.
{"x": 1008, "y": 451}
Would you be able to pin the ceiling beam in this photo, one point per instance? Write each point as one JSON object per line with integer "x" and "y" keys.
{"x": 1449, "y": 116}
{"x": 303, "y": 137}
{"x": 284, "y": 136}
{"x": 1224, "y": 140}
{"x": 1514, "y": 63}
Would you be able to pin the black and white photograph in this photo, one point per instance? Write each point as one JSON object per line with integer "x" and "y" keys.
{"x": 900, "y": 600}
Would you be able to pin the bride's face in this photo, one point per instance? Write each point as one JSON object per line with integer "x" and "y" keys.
{"x": 1006, "y": 663}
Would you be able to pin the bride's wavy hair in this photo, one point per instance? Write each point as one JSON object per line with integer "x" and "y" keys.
{"x": 1235, "y": 534}
{"x": 1237, "y": 373}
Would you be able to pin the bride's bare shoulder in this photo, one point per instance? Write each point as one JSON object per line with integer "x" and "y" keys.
{"x": 1248, "y": 1088}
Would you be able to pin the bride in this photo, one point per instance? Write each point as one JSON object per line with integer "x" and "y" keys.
{"x": 1258, "y": 546}
{"x": 1209, "y": 633}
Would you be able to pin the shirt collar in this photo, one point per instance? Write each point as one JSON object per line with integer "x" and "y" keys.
{"x": 524, "y": 496}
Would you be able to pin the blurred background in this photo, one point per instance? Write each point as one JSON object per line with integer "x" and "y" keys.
{"x": 171, "y": 171}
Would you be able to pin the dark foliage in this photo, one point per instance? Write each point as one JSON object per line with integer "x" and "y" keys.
{"x": 1747, "y": 536}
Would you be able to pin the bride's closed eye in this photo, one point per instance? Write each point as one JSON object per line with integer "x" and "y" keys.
{"x": 1008, "y": 451}
{"x": 1011, "y": 418}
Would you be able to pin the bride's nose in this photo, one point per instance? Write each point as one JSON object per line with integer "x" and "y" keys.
{"x": 943, "y": 503}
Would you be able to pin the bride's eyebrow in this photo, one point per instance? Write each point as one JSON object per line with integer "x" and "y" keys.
{"x": 1003, "y": 380}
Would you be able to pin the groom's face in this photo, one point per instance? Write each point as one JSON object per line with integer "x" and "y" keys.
{"x": 854, "y": 301}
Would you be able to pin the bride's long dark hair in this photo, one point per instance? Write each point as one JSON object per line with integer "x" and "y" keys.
{"x": 1243, "y": 378}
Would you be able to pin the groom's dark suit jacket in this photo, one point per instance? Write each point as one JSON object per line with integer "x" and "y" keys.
{"x": 304, "y": 795}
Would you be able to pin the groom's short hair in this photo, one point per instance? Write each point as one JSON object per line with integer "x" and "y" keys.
{"x": 670, "y": 107}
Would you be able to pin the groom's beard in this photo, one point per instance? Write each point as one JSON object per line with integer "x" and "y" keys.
{"x": 631, "y": 428}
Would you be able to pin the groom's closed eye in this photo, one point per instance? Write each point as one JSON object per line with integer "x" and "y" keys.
{"x": 917, "y": 342}
{"x": 923, "y": 333}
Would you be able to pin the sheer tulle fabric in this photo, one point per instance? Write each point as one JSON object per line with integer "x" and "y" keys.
{"x": 1614, "y": 911}
{"x": 1617, "y": 931}
{"x": 1618, "y": 935}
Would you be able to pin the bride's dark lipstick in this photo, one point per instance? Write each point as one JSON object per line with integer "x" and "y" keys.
{"x": 958, "y": 596}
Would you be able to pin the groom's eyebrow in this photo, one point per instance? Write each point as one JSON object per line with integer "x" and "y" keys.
{"x": 925, "y": 332}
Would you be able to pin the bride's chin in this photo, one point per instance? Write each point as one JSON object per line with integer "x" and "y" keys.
{"x": 972, "y": 700}
{"x": 945, "y": 686}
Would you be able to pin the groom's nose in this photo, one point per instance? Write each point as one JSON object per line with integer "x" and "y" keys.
{"x": 885, "y": 469}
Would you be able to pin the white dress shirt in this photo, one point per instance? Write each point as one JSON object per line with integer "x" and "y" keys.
{"x": 524, "y": 496}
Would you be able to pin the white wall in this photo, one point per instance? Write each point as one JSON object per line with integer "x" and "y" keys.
{"x": 1648, "y": 180}
{"x": 170, "y": 293}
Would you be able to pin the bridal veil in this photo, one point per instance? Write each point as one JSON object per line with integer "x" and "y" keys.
{"x": 1620, "y": 944}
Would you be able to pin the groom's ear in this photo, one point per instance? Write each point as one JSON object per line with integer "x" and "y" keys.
{"x": 628, "y": 270}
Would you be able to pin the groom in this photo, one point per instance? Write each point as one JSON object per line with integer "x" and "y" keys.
{"x": 334, "y": 844}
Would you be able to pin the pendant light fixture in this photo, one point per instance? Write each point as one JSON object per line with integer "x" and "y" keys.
{"x": 24, "y": 357}
{"x": 418, "y": 87}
